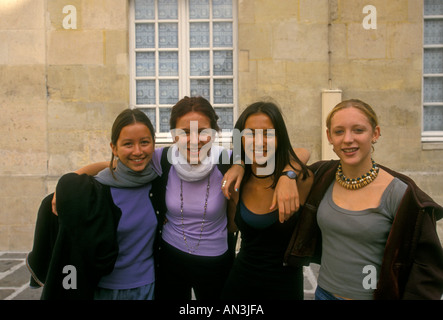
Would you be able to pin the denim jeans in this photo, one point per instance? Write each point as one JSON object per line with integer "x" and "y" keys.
{"x": 141, "y": 293}
{"x": 321, "y": 294}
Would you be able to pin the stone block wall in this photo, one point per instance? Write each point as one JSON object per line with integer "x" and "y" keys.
{"x": 23, "y": 127}
{"x": 288, "y": 52}
{"x": 60, "y": 89}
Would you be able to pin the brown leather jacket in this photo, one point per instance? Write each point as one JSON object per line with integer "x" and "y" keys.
{"x": 412, "y": 265}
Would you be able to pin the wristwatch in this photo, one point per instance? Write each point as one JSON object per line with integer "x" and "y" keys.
{"x": 290, "y": 174}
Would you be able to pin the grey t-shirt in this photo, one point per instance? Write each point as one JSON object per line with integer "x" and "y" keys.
{"x": 353, "y": 240}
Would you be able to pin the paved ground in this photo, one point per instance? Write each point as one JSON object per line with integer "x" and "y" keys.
{"x": 14, "y": 278}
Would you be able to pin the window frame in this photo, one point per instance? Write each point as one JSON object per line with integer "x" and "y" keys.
{"x": 430, "y": 136}
{"x": 184, "y": 75}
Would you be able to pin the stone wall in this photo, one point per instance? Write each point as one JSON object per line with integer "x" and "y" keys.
{"x": 23, "y": 127}
{"x": 60, "y": 89}
{"x": 287, "y": 51}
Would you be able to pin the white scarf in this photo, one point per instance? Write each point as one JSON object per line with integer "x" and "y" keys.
{"x": 193, "y": 172}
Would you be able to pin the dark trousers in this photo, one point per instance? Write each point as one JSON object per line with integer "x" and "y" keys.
{"x": 179, "y": 272}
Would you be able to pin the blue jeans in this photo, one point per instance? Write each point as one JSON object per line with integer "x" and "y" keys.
{"x": 321, "y": 294}
{"x": 141, "y": 293}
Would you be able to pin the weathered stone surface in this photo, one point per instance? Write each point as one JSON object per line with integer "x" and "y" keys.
{"x": 60, "y": 90}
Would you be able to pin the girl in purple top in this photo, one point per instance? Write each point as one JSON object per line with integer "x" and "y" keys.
{"x": 194, "y": 251}
{"x": 132, "y": 143}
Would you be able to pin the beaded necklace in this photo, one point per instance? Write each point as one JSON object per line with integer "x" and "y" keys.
{"x": 357, "y": 183}
{"x": 192, "y": 250}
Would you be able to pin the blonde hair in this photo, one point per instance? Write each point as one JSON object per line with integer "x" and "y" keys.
{"x": 362, "y": 106}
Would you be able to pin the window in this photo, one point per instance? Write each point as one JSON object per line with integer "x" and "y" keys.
{"x": 183, "y": 48}
{"x": 433, "y": 72}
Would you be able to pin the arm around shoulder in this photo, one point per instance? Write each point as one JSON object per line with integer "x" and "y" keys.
{"x": 303, "y": 154}
{"x": 93, "y": 168}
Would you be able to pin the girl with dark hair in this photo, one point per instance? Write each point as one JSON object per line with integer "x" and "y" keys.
{"x": 106, "y": 225}
{"x": 258, "y": 271}
{"x": 126, "y": 118}
{"x": 133, "y": 144}
{"x": 194, "y": 253}
{"x": 284, "y": 154}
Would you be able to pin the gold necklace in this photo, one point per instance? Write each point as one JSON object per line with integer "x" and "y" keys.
{"x": 357, "y": 183}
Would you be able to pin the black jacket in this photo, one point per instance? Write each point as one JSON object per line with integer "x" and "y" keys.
{"x": 84, "y": 236}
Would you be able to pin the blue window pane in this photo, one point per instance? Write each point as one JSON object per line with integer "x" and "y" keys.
{"x": 433, "y": 33}
{"x": 150, "y": 112}
{"x": 168, "y": 91}
{"x": 223, "y": 63}
{"x": 144, "y": 35}
{"x": 199, "y": 9}
{"x": 144, "y": 9}
{"x": 199, "y": 63}
{"x": 145, "y": 91}
{"x": 199, "y": 35}
{"x": 433, "y": 118}
{"x": 226, "y": 118}
{"x": 168, "y": 64}
{"x": 223, "y": 91}
{"x": 222, "y": 34}
{"x": 433, "y": 7}
{"x": 168, "y": 35}
{"x": 433, "y": 60}
{"x": 200, "y": 87}
{"x": 167, "y": 9}
{"x": 433, "y": 89}
{"x": 222, "y": 9}
{"x": 165, "y": 114}
{"x": 145, "y": 64}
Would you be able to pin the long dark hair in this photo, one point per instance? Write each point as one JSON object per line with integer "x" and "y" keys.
{"x": 284, "y": 151}
{"x": 126, "y": 118}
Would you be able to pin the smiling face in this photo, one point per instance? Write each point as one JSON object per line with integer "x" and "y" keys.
{"x": 259, "y": 141}
{"x": 193, "y": 134}
{"x": 352, "y": 135}
{"x": 135, "y": 146}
